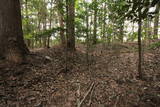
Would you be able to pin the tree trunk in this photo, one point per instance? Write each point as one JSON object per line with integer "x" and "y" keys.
{"x": 12, "y": 46}
{"x": 62, "y": 36}
{"x": 121, "y": 32}
{"x": 104, "y": 22}
{"x": 87, "y": 36}
{"x": 95, "y": 23}
{"x": 140, "y": 46}
{"x": 61, "y": 21}
{"x": 27, "y": 24}
{"x": 146, "y": 29}
{"x": 70, "y": 33}
{"x": 45, "y": 36}
{"x": 156, "y": 21}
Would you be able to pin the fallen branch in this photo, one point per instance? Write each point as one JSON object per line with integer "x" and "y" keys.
{"x": 78, "y": 93}
{"x": 115, "y": 105}
{"x": 87, "y": 93}
{"x": 90, "y": 100}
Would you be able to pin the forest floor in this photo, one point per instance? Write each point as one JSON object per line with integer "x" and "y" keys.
{"x": 107, "y": 79}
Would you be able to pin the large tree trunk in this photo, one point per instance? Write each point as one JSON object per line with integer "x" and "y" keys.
{"x": 12, "y": 46}
{"x": 156, "y": 21}
{"x": 70, "y": 33}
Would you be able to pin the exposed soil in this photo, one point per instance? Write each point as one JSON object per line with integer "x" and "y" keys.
{"x": 109, "y": 77}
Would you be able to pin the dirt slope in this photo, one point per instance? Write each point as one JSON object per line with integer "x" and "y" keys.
{"x": 110, "y": 79}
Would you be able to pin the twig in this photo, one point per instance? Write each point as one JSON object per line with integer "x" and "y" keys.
{"x": 87, "y": 93}
{"x": 90, "y": 100}
{"x": 78, "y": 93}
{"x": 115, "y": 105}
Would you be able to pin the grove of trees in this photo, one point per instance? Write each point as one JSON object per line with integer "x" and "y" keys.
{"x": 46, "y": 22}
{"x": 45, "y": 40}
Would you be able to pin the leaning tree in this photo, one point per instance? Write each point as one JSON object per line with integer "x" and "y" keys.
{"x": 12, "y": 46}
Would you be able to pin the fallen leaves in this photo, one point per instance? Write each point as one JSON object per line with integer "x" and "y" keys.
{"x": 39, "y": 82}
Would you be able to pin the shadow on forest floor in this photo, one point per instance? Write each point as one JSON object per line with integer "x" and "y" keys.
{"x": 109, "y": 80}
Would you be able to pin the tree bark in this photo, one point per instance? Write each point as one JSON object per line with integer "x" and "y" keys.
{"x": 104, "y": 22}
{"x": 156, "y": 21}
{"x": 12, "y": 46}
{"x": 87, "y": 36}
{"x": 44, "y": 29}
{"x": 121, "y": 32}
{"x": 70, "y": 32}
{"x": 140, "y": 46}
{"x": 61, "y": 21}
{"x": 27, "y": 24}
{"x": 95, "y": 23}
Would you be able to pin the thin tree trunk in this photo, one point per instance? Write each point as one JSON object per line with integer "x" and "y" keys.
{"x": 140, "y": 46}
{"x": 61, "y": 21}
{"x": 91, "y": 22}
{"x": 87, "y": 36}
{"x": 44, "y": 29}
{"x": 156, "y": 21}
{"x": 122, "y": 32}
{"x": 27, "y": 23}
{"x": 150, "y": 29}
{"x": 95, "y": 23}
{"x": 146, "y": 29}
{"x": 104, "y": 21}
{"x": 48, "y": 37}
{"x": 62, "y": 36}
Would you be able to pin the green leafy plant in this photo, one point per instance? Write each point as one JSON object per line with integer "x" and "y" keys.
{"x": 154, "y": 45}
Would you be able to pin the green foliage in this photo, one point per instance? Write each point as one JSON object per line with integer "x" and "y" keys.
{"x": 28, "y": 36}
{"x": 46, "y": 33}
{"x": 155, "y": 45}
{"x": 41, "y": 18}
{"x": 132, "y": 36}
{"x": 139, "y": 8}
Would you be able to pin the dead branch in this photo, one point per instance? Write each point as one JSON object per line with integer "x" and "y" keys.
{"x": 87, "y": 93}
{"x": 90, "y": 99}
{"x": 115, "y": 105}
{"x": 78, "y": 93}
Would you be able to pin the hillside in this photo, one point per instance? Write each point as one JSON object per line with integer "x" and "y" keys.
{"x": 108, "y": 80}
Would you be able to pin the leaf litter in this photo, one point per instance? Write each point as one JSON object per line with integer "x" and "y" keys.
{"x": 44, "y": 81}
